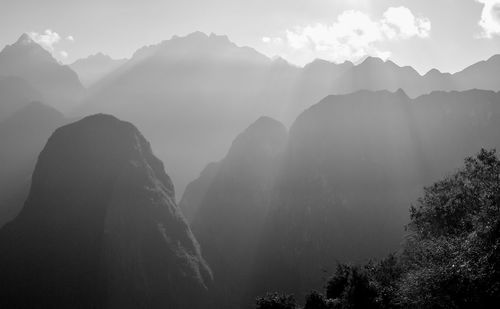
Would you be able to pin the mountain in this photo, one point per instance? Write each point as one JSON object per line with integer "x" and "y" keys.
{"x": 196, "y": 190}
{"x": 354, "y": 165}
{"x": 231, "y": 213}
{"x": 93, "y": 68}
{"x": 57, "y": 83}
{"x": 22, "y": 137}
{"x": 191, "y": 95}
{"x": 15, "y": 93}
{"x": 100, "y": 227}
{"x": 480, "y": 75}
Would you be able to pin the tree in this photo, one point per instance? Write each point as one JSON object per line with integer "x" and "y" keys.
{"x": 276, "y": 301}
{"x": 352, "y": 287}
{"x": 316, "y": 300}
{"x": 452, "y": 258}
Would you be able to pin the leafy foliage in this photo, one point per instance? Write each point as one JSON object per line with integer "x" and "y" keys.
{"x": 316, "y": 300}
{"x": 452, "y": 258}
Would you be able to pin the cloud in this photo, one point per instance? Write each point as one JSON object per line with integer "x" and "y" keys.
{"x": 400, "y": 21}
{"x": 490, "y": 18}
{"x": 47, "y": 39}
{"x": 353, "y": 35}
{"x": 63, "y": 54}
{"x": 70, "y": 38}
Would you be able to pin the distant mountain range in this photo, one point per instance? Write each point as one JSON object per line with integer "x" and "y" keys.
{"x": 95, "y": 67}
{"x": 192, "y": 95}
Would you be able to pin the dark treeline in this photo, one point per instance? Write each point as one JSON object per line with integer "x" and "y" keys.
{"x": 450, "y": 258}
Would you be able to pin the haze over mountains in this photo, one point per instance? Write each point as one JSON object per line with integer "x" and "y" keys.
{"x": 192, "y": 95}
{"x": 57, "y": 83}
{"x": 100, "y": 225}
{"x": 209, "y": 89}
{"x": 22, "y": 136}
{"x": 93, "y": 68}
{"x": 339, "y": 190}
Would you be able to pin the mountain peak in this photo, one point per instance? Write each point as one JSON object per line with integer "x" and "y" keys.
{"x": 370, "y": 60}
{"x": 265, "y": 121}
{"x": 197, "y": 35}
{"x": 24, "y": 39}
{"x": 265, "y": 133}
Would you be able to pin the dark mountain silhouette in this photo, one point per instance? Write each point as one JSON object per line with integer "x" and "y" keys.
{"x": 22, "y": 137}
{"x": 15, "y": 93}
{"x": 354, "y": 165}
{"x": 196, "y": 190}
{"x": 58, "y": 84}
{"x": 95, "y": 67}
{"x": 100, "y": 228}
{"x": 232, "y": 211}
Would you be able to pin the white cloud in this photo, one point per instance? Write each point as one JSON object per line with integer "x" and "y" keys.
{"x": 63, "y": 54}
{"x": 353, "y": 35}
{"x": 47, "y": 39}
{"x": 401, "y": 22}
{"x": 70, "y": 38}
{"x": 490, "y": 18}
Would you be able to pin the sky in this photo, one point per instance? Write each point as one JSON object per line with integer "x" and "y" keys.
{"x": 444, "y": 34}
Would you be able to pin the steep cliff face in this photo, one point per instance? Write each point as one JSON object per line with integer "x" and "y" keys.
{"x": 100, "y": 227}
{"x": 230, "y": 216}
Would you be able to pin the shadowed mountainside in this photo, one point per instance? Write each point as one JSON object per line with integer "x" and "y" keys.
{"x": 231, "y": 213}
{"x": 100, "y": 227}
